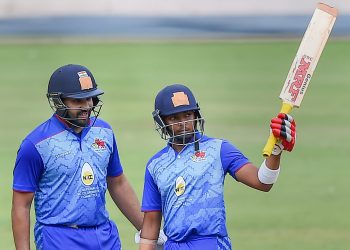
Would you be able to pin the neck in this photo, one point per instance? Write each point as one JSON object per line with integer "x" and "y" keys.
{"x": 177, "y": 148}
{"x": 77, "y": 129}
{"x": 70, "y": 124}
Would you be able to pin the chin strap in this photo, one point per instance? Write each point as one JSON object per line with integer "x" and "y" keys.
{"x": 196, "y": 144}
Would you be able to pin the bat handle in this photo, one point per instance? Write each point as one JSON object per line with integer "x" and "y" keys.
{"x": 286, "y": 109}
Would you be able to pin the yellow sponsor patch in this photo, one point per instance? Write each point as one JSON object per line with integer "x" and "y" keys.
{"x": 180, "y": 186}
{"x": 87, "y": 174}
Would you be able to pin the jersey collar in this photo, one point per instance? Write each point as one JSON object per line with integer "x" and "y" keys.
{"x": 61, "y": 122}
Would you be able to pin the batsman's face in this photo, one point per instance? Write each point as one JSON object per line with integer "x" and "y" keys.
{"x": 181, "y": 125}
{"x": 79, "y": 110}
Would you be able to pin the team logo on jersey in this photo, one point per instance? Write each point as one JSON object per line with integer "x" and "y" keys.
{"x": 198, "y": 156}
{"x": 87, "y": 174}
{"x": 180, "y": 186}
{"x": 99, "y": 144}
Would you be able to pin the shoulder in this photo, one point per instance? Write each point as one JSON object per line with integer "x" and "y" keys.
{"x": 102, "y": 123}
{"x": 224, "y": 145}
{"x": 101, "y": 127}
{"x": 160, "y": 156}
{"x": 210, "y": 141}
{"x": 45, "y": 130}
{"x": 228, "y": 146}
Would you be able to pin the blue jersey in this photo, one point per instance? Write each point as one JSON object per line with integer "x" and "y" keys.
{"x": 67, "y": 172}
{"x": 188, "y": 187}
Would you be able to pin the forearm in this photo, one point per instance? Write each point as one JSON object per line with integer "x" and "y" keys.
{"x": 150, "y": 230}
{"x": 261, "y": 178}
{"x": 126, "y": 200}
{"x": 268, "y": 172}
{"x": 130, "y": 207}
{"x": 21, "y": 227}
{"x": 273, "y": 162}
{"x": 144, "y": 246}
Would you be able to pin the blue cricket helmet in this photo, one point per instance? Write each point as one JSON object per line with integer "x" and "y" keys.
{"x": 174, "y": 99}
{"x": 74, "y": 81}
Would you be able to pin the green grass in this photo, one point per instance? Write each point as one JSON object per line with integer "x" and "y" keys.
{"x": 237, "y": 85}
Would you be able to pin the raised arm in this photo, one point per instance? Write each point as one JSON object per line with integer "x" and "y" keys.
{"x": 283, "y": 128}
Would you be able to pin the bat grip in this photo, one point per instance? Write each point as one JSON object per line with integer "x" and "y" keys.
{"x": 271, "y": 141}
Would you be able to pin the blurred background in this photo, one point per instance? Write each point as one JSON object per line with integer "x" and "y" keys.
{"x": 162, "y": 19}
{"x": 235, "y": 56}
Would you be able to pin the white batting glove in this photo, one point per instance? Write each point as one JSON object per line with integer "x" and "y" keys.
{"x": 277, "y": 148}
{"x": 162, "y": 238}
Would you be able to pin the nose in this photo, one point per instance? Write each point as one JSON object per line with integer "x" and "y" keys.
{"x": 86, "y": 103}
{"x": 185, "y": 124}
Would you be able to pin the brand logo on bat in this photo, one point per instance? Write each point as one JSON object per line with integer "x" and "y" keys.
{"x": 301, "y": 77}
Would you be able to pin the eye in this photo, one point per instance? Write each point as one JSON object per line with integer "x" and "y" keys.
{"x": 189, "y": 114}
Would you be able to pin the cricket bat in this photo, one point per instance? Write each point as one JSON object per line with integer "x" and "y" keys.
{"x": 304, "y": 64}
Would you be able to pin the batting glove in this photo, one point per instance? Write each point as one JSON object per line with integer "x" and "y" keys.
{"x": 162, "y": 238}
{"x": 283, "y": 128}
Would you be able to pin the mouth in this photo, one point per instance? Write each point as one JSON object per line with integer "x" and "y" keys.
{"x": 183, "y": 139}
{"x": 83, "y": 115}
{"x": 184, "y": 132}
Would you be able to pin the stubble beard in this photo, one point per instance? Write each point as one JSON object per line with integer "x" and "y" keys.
{"x": 183, "y": 139}
{"x": 79, "y": 122}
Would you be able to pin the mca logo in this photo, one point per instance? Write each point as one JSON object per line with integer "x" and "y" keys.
{"x": 198, "y": 156}
{"x": 87, "y": 174}
{"x": 180, "y": 186}
{"x": 99, "y": 144}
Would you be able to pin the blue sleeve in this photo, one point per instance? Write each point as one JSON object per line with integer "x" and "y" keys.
{"x": 28, "y": 168}
{"x": 114, "y": 167}
{"x": 231, "y": 158}
{"x": 151, "y": 199}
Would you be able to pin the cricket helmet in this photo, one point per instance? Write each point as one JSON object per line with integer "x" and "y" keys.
{"x": 174, "y": 99}
{"x": 72, "y": 81}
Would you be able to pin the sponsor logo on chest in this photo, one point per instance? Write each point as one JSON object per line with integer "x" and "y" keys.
{"x": 87, "y": 174}
{"x": 180, "y": 186}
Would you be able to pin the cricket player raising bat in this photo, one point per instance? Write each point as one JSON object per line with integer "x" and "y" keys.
{"x": 184, "y": 182}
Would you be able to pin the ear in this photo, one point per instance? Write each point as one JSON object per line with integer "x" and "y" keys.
{"x": 95, "y": 100}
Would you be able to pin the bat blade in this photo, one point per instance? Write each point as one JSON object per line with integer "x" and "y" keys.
{"x": 304, "y": 63}
{"x": 308, "y": 54}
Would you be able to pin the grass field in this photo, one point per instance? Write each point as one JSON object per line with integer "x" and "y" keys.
{"x": 237, "y": 85}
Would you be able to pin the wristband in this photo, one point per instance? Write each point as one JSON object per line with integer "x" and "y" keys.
{"x": 147, "y": 241}
{"x": 266, "y": 175}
